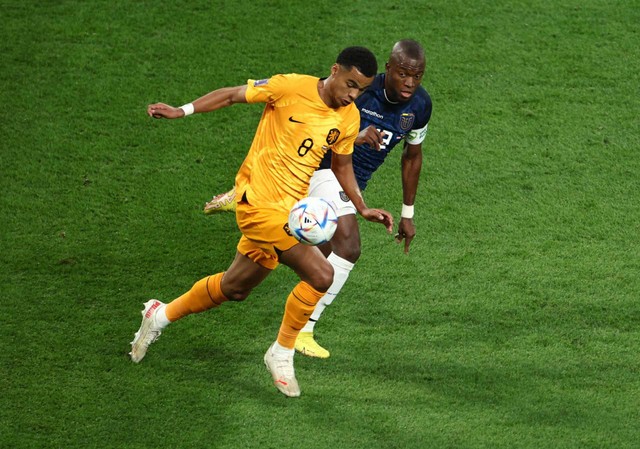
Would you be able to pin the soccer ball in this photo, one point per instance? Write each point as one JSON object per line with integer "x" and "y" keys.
{"x": 313, "y": 220}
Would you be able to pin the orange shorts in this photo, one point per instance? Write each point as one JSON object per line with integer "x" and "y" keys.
{"x": 265, "y": 233}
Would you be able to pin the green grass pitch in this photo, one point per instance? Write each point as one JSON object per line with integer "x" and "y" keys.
{"x": 513, "y": 323}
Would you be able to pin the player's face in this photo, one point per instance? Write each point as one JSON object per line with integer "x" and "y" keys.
{"x": 346, "y": 85}
{"x": 403, "y": 77}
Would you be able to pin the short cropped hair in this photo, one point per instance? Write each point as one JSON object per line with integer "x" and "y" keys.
{"x": 410, "y": 48}
{"x": 359, "y": 57}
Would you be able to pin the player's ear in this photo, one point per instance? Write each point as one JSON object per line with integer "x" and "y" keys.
{"x": 334, "y": 68}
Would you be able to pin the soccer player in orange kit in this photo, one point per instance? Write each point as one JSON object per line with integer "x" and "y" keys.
{"x": 394, "y": 109}
{"x": 304, "y": 117}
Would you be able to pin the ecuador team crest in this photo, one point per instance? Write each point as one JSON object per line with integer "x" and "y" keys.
{"x": 406, "y": 120}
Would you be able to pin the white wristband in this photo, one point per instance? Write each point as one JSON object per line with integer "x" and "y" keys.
{"x": 407, "y": 211}
{"x": 188, "y": 109}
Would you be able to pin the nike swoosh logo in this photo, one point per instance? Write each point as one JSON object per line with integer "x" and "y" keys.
{"x": 291, "y": 119}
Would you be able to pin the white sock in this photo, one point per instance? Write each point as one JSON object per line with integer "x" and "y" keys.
{"x": 161, "y": 316}
{"x": 278, "y": 349}
{"x": 341, "y": 270}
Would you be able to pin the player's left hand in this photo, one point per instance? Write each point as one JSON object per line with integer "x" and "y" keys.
{"x": 379, "y": 216}
{"x": 406, "y": 232}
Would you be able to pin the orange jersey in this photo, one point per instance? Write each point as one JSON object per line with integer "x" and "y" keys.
{"x": 295, "y": 131}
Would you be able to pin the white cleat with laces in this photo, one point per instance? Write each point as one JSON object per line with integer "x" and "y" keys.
{"x": 281, "y": 368}
{"x": 149, "y": 331}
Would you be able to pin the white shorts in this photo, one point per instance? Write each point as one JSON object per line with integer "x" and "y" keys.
{"x": 324, "y": 184}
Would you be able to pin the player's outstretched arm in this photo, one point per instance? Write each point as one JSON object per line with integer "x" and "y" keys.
{"x": 212, "y": 101}
{"x": 342, "y": 166}
{"x": 411, "y": 166}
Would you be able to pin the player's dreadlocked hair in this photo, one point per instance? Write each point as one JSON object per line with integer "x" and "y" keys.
{"x": 359, "y": 57}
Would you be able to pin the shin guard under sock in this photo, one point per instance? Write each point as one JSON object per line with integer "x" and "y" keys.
{"x": 205, "y": 294}
{"x": 300, "y": 304}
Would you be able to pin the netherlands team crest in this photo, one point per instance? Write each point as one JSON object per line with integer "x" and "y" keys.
{"x": 333, "y": 135}
{"x": 406, "y": 120}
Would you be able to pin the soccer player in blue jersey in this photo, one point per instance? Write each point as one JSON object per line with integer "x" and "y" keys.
{"x": 394, "y": 108}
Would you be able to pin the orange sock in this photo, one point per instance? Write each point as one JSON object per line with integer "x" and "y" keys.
{"x": 204, "y": 295}
{"x": 300, "y": 304}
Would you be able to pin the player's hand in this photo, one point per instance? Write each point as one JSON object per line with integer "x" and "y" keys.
{"x": 406, "y": 232}
{"x": 379, "y": 216}
{"x": 161, "y": 110}
{"x": 370, "y": 136}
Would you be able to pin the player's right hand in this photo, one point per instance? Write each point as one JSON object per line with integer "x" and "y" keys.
{"x": 161, "y": 110}
{"x": 370, "y": 136}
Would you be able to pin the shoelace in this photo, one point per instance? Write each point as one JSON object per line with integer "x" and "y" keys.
{"x": 285, "y": 366}
{"x": 152, "y": 336}
{"x": 153, "y": 333}
{"x": 224, "y": 195}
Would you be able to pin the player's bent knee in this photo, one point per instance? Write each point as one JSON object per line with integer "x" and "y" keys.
{"x": 351, "y": 254}
{"x": 237, "y": 295}
{"x": 349, "y": 251}
{"x": 322, "y": 279}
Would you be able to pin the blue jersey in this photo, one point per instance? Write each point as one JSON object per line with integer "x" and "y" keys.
{"x": 396, "y": 120}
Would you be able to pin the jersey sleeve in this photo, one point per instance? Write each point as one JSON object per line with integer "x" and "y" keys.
{"x": 345, "y": 145}
{"x": 267, "y": 90}
{"x": 416, "y": 136}
{"x": 419, "y": 132}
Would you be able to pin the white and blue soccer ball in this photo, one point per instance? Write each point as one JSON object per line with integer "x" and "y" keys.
{"x": 313, "y": 220}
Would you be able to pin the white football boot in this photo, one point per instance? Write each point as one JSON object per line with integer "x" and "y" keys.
{"x": 281, "y": 369}
{"x": 149, "y": 331}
